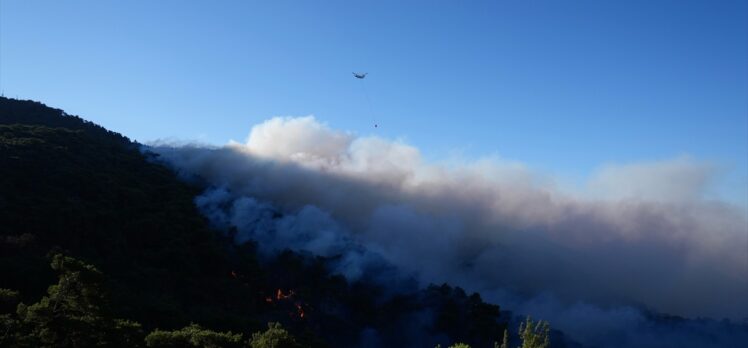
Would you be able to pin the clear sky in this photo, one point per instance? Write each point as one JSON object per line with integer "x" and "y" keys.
{"x": 563, "y": 86}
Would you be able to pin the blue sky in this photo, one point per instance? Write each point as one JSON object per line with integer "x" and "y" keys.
{"x": 561, "y": 86}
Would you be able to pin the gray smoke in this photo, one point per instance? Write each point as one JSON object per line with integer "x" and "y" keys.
{"x": 644, "y": 235}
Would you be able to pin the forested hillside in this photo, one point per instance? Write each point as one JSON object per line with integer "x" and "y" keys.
{"x": 101, "y": 245}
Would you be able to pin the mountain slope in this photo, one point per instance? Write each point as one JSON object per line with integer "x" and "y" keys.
{"x": 69, "y": 186}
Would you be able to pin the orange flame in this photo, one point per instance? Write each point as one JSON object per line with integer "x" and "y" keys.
{"x": 300, "y": 311}
{"x": 279, "y": 295}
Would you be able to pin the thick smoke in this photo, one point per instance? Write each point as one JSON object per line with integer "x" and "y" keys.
{"x": 643, "y": 236}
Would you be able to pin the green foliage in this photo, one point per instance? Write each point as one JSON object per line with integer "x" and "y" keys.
{"x": 10, "y": 330}
{"x": 73, "y": 314}
{"x": 534, "y": 334}
{"x": 193, "y": 336}
{"x": 8, "y": 300}
{"x": 274, "y": 337}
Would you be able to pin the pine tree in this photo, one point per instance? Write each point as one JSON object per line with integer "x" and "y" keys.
{"x": 73, "y": 314}
{"x": 274, "y": 337}
{"x": 193, "y": 336}
{"x": 534, "y": 335}
{"x": 460, "y": 345}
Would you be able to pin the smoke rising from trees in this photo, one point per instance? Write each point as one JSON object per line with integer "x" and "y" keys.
{"x": 646, "y": 236}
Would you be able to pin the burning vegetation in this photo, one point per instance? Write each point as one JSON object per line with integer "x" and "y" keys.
{"x": 286, "y": 300}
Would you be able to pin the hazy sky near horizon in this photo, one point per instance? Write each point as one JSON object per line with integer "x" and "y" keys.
{"x": 563, "y": 87}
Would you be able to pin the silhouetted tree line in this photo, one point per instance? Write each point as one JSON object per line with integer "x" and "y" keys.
{"x": 75, "y": 312}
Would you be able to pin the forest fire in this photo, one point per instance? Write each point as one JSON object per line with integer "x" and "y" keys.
{"x": 280, "y": 296}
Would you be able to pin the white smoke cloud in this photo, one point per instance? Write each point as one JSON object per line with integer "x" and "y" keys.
{"x": 646, "y": 238}
{"x": 676, "y": 180}
{"x": 306, "y": 141}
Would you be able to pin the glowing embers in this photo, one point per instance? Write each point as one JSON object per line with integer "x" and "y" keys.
{"x": 284, "y": 299}
{"x": 280, "y": 296}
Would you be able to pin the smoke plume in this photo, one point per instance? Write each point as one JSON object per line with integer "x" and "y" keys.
{"x": 645, "y": 236}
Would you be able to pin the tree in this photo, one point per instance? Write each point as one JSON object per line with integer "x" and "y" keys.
{"x": 504, "y": 341}
{"x": 534, "y": 335}
{"x": 8, "y": 300}
{"x": 274, "y": 337}
{"x": 193, "y": 336}
{"x": 9, "y": 325}
{"x": 459, "y": 345}
{"x": 73, "y": 314}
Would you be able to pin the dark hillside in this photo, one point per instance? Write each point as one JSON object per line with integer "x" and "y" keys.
{"x": 29, "y": 112}
{"x": 69, "y": 187}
